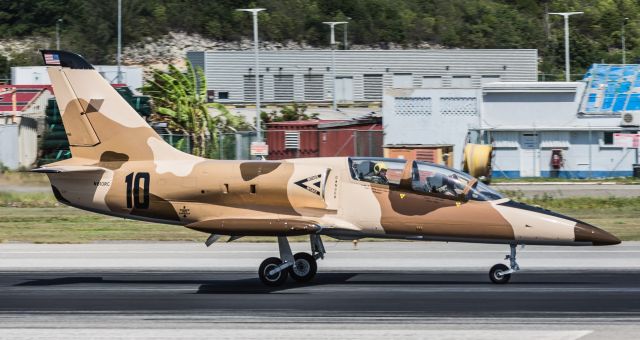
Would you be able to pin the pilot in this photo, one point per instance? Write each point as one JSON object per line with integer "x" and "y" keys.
{"x": 442, "y": 184}
{"x": 379, "y": 174}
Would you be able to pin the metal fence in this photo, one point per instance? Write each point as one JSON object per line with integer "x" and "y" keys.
{"x": 237, "y": 145}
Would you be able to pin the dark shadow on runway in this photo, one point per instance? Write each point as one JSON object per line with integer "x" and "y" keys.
{"x": 256, "y": 287}
{"x": 252, "y": 285}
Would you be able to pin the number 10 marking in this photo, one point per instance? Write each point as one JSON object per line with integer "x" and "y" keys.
{"x": 133, "y": 190}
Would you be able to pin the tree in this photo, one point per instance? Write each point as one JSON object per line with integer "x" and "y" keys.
{"x": 287, "y": 114}
{"x": 180, "y": 99}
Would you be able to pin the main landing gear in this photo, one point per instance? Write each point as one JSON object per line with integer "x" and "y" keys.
{"x": 500, "y": 273}
{"x": 302, "y": 267}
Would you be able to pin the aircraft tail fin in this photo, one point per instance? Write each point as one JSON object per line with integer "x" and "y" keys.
{"x": 99, "y": 123}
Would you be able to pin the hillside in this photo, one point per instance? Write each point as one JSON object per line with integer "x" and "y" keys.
{"x": 89, "y": 26}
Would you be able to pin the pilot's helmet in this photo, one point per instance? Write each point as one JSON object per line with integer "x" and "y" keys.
{"x": 380, "y": 166}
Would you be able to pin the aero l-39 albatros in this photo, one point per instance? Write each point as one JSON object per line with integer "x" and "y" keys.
{"x": 121, "y": 167}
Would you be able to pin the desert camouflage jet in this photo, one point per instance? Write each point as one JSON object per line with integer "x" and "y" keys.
{"x": 121, "y": 167}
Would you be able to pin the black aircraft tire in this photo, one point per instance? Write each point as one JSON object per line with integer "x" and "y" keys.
{"x": 497, "y": 278}
{"x": 304, "y": 268}
{"x": 268, "y": 265}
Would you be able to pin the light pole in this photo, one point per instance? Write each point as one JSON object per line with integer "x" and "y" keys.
{"x": 332, "y": 24}
{"x": 345, "y": 35}
{"x": 119, "y": 52}
{"x": 255, "y": 11}
{"x": 58, "y": 22}
{"x": 624, "y": 49}
{"x": 567, "y": 67}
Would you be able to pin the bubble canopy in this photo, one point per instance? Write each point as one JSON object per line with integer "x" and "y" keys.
{"x": 425, "y": 178}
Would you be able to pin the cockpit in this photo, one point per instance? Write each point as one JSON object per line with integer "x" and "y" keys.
{"x": 421, "y": 177}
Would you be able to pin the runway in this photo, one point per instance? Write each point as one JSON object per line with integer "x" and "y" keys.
{"x": 548, "y": 302}
{"x": 428, "y": 294}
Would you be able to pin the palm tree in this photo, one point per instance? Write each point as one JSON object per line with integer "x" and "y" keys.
{"x": 180, "y": 100}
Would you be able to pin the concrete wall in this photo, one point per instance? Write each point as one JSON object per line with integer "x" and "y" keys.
{"x": 430, "y": 117}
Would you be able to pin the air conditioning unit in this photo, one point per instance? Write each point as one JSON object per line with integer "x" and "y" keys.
{"x": 630, "y": 119}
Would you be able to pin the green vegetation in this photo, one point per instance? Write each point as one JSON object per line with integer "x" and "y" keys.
{"x": 37, "y": 217}
{"x": 615, "y": 214}
{"x": 180, "y": 100}
{"x": 22, "y": 178}
{"x": 287, "y": 114}
{"x": 89, "y": 26}
{"x": 68, "y": 225}
{"x": 182, "y": 105}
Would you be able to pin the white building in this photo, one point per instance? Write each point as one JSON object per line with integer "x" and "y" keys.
{"x": 37, "y": 75}
{"x": 361, "y": 75}
{"x": 526, "y": 121}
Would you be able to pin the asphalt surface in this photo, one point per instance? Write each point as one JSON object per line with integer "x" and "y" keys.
{"x": 384, "y": 290}
{"x": 429, "y": 294}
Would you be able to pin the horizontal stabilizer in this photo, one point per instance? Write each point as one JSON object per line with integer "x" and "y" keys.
{"x": 67, "y": 168}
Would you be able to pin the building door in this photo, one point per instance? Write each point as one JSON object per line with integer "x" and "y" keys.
{"x": 529, "y": 154}
{"x": 344, "y": 89}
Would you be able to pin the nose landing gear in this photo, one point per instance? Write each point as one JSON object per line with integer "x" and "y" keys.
{"x": 302, "y": 267}
{"x": 500, "y": 273}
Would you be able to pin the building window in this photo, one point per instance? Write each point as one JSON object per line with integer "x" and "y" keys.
{"x": 607, "y": 138}
{"x": 413, "y": 106}
{"x": 461, "y": 82}
{"x": 431, "y": 81}
{"x": 313, "y": 87}
{"x": 489, "y": 79}
{"x": 458, "y": 106}
{"x": 554, "y": 139}
{"x": 402, "y": 80}
{"x": 292, "y": 140}
{"x": 373, "y": 87}
{"x": 223, "y": 95}
{"x": 250, "y": 88}
{"x": 283, "y": 86}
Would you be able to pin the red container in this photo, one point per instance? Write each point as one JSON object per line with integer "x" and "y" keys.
{"x": 325, "y": 138}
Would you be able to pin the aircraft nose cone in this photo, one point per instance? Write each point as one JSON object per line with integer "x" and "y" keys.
{"x": 595, "y": 235}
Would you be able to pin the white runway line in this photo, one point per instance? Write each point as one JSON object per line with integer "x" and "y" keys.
{"x": 280, "y": 334}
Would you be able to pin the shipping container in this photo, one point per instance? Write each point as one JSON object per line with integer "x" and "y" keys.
{"x": 439, "y": 154}
{"x": 325, "y": 138}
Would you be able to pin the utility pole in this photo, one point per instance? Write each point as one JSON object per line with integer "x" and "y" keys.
{"x": 345, "y": 46}
{"x": 58, "y": 22}
{"x": 255, "y": 12}
{"x": 332, "y": 24}
{"x": 624, "y": 48}
{"x": 118, "y": 55}
{"x": 567, "y": 67}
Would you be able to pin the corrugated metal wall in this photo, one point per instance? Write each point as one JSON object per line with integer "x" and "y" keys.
{"x": 225, "y": 70}
{"x": 19, "y": 144}
{"x": 9, "y": 146}
{"x": 28, "y": 142}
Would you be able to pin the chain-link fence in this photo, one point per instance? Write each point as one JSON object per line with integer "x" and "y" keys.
{"x": 282, "y": 144}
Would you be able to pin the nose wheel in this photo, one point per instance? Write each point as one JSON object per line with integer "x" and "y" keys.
{"x": 500, "y": 273}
